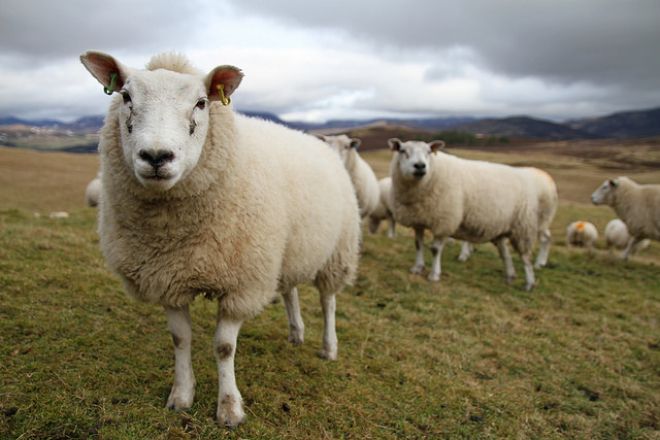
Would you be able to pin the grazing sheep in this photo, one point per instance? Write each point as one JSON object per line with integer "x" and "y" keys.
{"x": 468, "y": 200}
{"x": 59, "y": 214}
{"x": 637, "y": 205}
{"x": 363, "y": 178}
{"x": 617, "y": 236}
{"x": 198, "y": 199}
{"x": 383, "y": 209}
{"x": 581, "y": 234}
{"x": 93, "y": 192}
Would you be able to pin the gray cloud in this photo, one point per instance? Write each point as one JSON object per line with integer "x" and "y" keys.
{"x": 38, "y": 31}
{"x": 605, "y": 42}
{"x": 546, "y": 58}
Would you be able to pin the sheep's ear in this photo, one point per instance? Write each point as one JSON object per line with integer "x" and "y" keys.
{"x": 104, "y": 68}
{"x": 229, "y": 77}
{"x": 355, "y": 143}
{"x": 614, "y": 183}
{"x": 394, "y": 143}
{"x": 320, "y": 136}
{"x": 437, "y": 145}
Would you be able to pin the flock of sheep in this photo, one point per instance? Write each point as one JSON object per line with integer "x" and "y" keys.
{"x": 197, "y": 199}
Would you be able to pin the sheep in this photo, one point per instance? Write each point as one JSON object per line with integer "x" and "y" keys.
{"x": 581, "y": 234}
{"x": 383, "y": 209}
{"x": 93, "y": 192}
{"x": 198, "y": 199}
{"x": 470, "y": 200}
{"x": 638, "y": 206}
{"x": 363, "y": 178}
{"x": 617, "y": 236}
{"x": 59, "y": 214}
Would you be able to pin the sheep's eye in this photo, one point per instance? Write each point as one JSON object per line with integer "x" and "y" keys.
{"x": 201, "y": 104}
{"x": 126, "y": 96}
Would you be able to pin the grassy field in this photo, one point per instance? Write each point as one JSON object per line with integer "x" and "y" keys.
{"x": 468, "y": 357}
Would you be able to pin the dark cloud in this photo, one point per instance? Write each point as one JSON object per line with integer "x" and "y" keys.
{"x": 607, "y": 42}
{"x": 36, "y": 31}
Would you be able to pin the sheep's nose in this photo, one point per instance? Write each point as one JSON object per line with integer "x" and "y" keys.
{"x": 420, "y": 166}
{"x": 156, "y": 158}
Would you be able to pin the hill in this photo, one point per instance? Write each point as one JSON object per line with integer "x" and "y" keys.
{"x": 81, "y": 134}
{"x": 633, "y": 124}
{"x": 523, "y": 126}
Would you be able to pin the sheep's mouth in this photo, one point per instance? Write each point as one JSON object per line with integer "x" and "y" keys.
{"x": 419, "y": 174}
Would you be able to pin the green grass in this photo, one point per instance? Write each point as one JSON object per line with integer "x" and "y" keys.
{"x": 469, "y": 357}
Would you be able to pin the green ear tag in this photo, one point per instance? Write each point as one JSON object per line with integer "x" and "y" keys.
{"x": 113, "y": 83}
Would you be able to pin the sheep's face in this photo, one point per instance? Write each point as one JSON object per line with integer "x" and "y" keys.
{"x": 164, "y": 119}
{"x": 414, "y": 157}
{"x": 342, "y": 145}
{"x": 603, "y": 194}
{"x": 163, "y": 112}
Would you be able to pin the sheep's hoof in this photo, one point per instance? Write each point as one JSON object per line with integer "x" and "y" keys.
{"x": 230, "y": 413}
{"x": 178, "y": 404}
{"x": 181, "y": 397}
{"x": 327, "y": 355}
{"x": 417, "y": 269}
{"x": 529, "y": 287}
{"x": 434, "y": 277}
{"x": 296, "y": 340}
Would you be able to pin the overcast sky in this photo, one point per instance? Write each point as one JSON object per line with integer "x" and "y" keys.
{"x": 307, "y": 60}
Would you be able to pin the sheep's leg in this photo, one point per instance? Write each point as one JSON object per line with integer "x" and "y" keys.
{"x": 466, "y": 251}
{"x": 505, "y": 255}
{"x": 530, "y": 281}
{"x": 230, "y": 402}
{"x": 629, "y": 248}
{"x": 391, "y": 226}
{"x": 436, "y": 250}
{"x": 296, "y": 324}
{"x": 374, "y": 224}
{"x": 329, "y": 347}
{"x": 418, "y": 268}
{"x": 180, "y": 326}
{"x": 545, "y": 237}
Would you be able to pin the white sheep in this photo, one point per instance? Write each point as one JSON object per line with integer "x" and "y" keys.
{"x": 581, "y": 234}
{"x": 59, "y": 214}
{"x": 93, "y": 192}
{"x": 616, "y": 236}
{"x": 637, "y": 205}
{"x": 383, "y": 210}
{"x": 469, "y": 200}
{"x": 200, "y": 200}
{"x": 363, "y": 178}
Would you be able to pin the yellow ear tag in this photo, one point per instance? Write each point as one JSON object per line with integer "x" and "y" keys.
{"x": 224, "y": 99}
{"x": 435, "y": 152}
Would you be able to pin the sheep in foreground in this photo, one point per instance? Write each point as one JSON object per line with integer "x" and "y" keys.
{"x": 637, "y": 205}
{"x": 93, "y": 192}
{"x": 383, "y": 210}
{"x": 617, "y": 236}
{"x": 581, "y": 234}
{"x": 546, "y": 191}
{"x": 468, "y": 200}
{"x": 363, "y": 178}
{"x": 200, "y": 200}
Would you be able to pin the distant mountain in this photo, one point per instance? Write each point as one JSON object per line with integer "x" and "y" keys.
{"x": 525, "y": 127}
{"x": 85, "y": 124}
{"x": 619, "y": 125}
{"x": 10, "y": 120}
{"x": 643, "y": 123}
